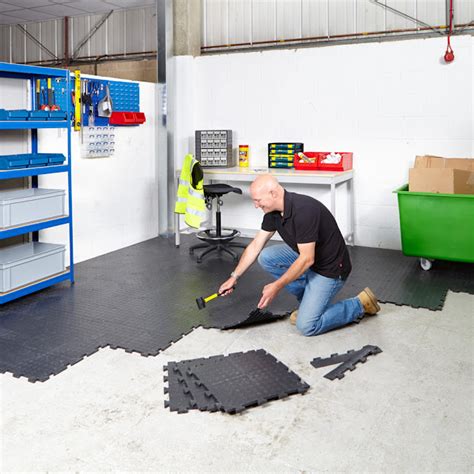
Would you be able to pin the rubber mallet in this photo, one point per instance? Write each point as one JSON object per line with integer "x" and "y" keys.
{"x": 201, "y": 301}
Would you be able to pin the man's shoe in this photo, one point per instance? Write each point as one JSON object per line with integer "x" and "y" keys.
{"x": 369, "y": 301}
{"x": 293, "y": 317}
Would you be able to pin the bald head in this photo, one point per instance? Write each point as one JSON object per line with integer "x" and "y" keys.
{"x": 265, "y": 182}
{"x": 267, "y": 193}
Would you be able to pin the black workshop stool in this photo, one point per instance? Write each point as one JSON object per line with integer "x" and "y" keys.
{"x": 217, "y": 239}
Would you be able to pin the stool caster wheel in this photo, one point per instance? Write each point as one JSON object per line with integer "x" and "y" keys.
{"x": 199, "y": 260}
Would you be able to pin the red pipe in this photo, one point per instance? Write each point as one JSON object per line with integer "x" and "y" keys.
{"x": 449, "y": 55}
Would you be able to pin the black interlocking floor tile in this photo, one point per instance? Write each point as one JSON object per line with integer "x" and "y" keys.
{"x": 140, "y": 299}
{"x": 256, "y": 317}
{"x": 395, "y": 278}
{"x": 179, "y": 397}
{"x": 242, "y": 380}
{"x": 347, "y": 361}
{"x": 143, "y": 298}
{"x": 185, "y": 392}
{"x": 202, "y": 399}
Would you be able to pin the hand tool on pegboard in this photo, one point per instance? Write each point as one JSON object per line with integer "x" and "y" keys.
{"x": 38, "y": 94}
{"x": 83, "y": 110}
{"x": 50, "y": 93}
{"x": 87, "y": 103}
{"x": 43, "y": 97}
{"x": 77, "y": 101}
{"x": 202, "y": 301}
{"x": 53, "y": 105}
{"x": 105, "y": 107}
{"x": 51, "y": 96}
{"x": 94, "y": 94}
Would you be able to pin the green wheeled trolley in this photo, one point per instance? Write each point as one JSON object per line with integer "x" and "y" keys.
{"x": 436, "y": 226}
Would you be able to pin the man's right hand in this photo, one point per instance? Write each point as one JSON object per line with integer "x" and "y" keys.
{"x": 227, "y": 287}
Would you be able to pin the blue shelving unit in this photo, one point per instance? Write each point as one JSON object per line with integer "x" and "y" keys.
{"x": 30, "y": 125}
{"x": 32, "y": 73}
{"x": 24, "y": 172}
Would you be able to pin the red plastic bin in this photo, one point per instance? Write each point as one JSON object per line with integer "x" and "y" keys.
{"x": 127, "y": 118}
{"x": 304, "y": 165}
{"x": 140, "y": 117}
{"x": 344, "y": 165}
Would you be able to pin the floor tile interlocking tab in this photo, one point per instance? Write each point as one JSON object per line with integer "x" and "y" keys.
{"x": 347, "y": 361}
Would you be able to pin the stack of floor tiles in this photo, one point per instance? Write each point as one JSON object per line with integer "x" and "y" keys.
{"x": 229, "y": 383}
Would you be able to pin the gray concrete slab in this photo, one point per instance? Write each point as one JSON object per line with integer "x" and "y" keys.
{"x": 409, "y": 409}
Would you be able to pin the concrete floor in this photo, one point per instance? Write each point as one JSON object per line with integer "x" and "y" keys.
{"x": 407, "y": 409}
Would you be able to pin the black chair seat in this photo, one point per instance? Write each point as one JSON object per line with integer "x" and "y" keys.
{"x": 220, "y": 189}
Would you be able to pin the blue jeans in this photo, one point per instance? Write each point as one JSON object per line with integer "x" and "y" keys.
{"x": 314, "y": 292}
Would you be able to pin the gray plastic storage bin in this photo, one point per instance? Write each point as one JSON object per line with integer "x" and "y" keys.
{"x": 25, "y": 263}
{"x": 20, "y": 206}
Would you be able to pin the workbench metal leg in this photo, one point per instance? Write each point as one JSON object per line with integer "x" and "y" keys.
{"x": 177, "y": 238}
{"x": 350, "y": 192}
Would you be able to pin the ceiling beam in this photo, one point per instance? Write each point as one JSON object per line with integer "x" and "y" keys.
{"x": 408, "y": 17}
{"x": 91, "y": 33}
{"x": 36, "y": 41}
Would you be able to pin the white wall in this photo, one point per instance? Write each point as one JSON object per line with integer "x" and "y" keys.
{"x": 385, "y": 102}
{"x": 115, "y": 202}
{"x": 115, "y": 199}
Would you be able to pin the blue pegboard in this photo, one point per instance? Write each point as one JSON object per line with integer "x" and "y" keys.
{"x": 97, "y": 88}
{"x": 60, "y": 95}
{"x": 125, "y": 97}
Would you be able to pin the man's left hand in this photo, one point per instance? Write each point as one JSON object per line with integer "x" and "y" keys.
{"x": 268, "y": 294}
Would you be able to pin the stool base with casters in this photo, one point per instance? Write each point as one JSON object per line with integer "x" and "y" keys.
{"x": 217, "y": 239}
{"x": 217, "y": 244}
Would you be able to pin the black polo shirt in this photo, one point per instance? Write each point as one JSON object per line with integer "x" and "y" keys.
{"x": 307, "y": 220}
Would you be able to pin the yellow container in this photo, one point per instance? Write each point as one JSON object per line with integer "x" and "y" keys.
{"x": 244, "y": 156}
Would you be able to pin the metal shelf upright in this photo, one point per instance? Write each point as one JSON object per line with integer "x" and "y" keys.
{"x": 31, "y": 73}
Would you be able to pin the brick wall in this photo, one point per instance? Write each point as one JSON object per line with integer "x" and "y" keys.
{"x": 144, "y": 71}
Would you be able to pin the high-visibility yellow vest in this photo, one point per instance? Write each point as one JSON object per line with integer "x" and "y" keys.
{"x": 190, "y": 198}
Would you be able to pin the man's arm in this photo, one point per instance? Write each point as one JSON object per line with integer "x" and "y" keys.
{"x": 249, "y": 256}
{"x": 299, "y": 266}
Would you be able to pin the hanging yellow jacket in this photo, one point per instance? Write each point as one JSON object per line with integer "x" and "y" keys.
{"x": 190, "y": 198}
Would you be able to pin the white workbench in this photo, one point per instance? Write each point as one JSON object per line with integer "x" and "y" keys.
{"x": 284, "y": 176}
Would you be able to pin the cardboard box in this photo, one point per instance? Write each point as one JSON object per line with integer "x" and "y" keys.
{"x": 434, "y": 174}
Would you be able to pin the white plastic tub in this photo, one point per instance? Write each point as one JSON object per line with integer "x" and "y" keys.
{"x": 25, "y": 263}
{"x": 22, "y": 206}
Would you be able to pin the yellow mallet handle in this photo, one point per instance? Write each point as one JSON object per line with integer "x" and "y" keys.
{"x": 210, "y": 298}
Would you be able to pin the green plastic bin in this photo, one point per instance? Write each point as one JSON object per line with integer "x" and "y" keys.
{"x": 436, "y": 226}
